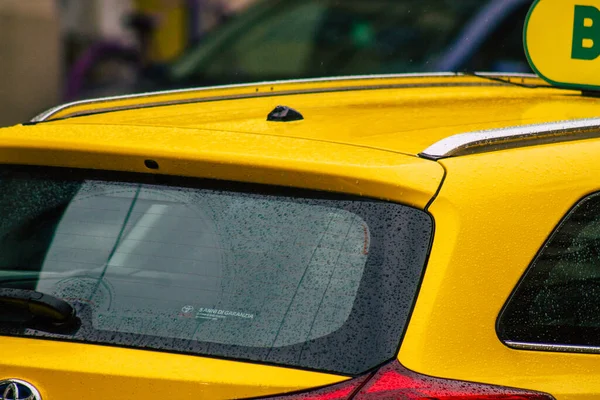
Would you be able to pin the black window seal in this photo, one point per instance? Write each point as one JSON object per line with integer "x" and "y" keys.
{"x": 539, "y": 346}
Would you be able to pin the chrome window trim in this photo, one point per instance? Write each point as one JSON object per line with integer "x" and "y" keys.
{"x": 44, "y": 116}
{"x": 552, "y": 347}
{"x": 498, "y": 139}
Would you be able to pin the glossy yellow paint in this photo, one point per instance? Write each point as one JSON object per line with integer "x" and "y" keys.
{"x": 406, "y": 119}
{"x": 68, "y": 371}
{"x": 242, "y": 157}
{"x": 360, "y": 142}
{"x": 492, "y": 215}
{"x": 65, "y": 370}
{"x": 271, "y": 89}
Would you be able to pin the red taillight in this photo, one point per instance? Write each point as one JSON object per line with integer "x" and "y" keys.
{"x": 341, "y": 391}
{"x": 394, "y": 382}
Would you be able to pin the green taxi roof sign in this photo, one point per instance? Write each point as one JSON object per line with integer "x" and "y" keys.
{"x": 562, "y": 42}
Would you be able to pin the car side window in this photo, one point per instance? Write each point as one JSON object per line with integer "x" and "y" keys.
{"x": 303, "y": 39}
{"x": 279, "y": 46}
{"x": 557, "y": 301}
{"x": 503, "y": 50}
{"x": 357, "y": 37}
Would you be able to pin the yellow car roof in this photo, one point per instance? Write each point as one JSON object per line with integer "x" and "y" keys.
{"x": 358, "y": 136}
{"x": 403, "y": 114}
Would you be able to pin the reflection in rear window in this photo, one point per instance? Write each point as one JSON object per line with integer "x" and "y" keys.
{"x": 244, "y": 273}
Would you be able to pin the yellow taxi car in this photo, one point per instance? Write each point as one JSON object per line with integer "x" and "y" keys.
{"x": 383, "y": 237}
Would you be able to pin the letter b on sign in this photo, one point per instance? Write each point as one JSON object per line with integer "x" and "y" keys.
{"x": 586, "y": 33}
{"x": 562, "y": 42}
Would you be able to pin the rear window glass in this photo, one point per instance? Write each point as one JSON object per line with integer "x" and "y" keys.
{"x": 558, "y": 300}
{"x": 217, "y": 269}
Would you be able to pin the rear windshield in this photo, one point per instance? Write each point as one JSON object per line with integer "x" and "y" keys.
{"x": 217, "y": 269}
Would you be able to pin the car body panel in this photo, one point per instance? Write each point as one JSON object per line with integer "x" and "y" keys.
{"x": 354, "y": 141}
{"x": 67, "y": 370}
{"x": 518, "y": 196}
{"x": 226, "y": 155}
{"x": 402, "y": 119}
{"x": 259, "y": 89}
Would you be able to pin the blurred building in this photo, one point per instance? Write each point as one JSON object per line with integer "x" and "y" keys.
{"x": 30, "y": 58}
{"x": 42, "y": 41}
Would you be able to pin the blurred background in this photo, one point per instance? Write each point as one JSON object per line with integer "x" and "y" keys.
{"x": 54, "y": 51}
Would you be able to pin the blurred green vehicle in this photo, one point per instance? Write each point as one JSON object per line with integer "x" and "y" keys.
{"x": 284, "y": 39}
{"x": 291, "y": 39}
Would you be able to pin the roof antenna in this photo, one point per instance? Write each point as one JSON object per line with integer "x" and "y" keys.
{"x": 284, "y": 114}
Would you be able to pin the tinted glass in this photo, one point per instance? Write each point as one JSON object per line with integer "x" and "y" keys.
{"x": 558, "y": 300}
{"x": 502, "y": 48}
{"x": 224, "y": 270}
{"x": 311, "y": 38}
